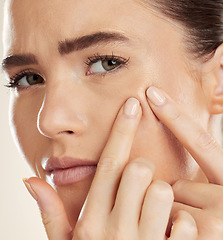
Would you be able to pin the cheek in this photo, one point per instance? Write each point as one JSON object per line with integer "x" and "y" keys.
{"x": 24, "y": 110}
{"x": 181, "y": 84}
{"x": 154, "y": 142}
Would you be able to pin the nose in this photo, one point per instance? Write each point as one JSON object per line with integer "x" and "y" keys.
{"x": 62, "y": 112}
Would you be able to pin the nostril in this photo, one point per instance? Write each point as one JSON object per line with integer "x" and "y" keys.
{"x": 70, "y": 132}
{"x": 67, "y": 132}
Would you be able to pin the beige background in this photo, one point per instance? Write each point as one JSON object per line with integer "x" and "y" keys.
{"x": 19, "y": 215}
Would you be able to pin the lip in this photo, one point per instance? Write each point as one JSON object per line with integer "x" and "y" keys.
{"x": 68, "y": 170}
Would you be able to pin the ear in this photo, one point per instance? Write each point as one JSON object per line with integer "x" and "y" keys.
{"x": 214, "y": 73}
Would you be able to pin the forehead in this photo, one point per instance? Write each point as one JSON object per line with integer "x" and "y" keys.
{"x": 32, "y": 25}
{"x": 60, "y": 11}
{"x": 66, "y": 17}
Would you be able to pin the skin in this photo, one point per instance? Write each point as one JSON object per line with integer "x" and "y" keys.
{"x": 63, "y": 116}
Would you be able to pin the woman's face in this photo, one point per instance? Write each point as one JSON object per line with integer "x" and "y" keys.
{"x": 91, "y": 56}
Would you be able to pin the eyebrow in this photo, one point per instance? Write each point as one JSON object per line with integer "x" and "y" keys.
{"x": 18, "y": 60}
{"x": 66, "y": 47}
{"x": 77, "y": 44}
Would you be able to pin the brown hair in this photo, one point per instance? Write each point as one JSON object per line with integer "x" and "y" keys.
{"x": 202, "y": 19}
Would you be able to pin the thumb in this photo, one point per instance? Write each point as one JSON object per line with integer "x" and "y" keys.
{"x": 52, "y": 209}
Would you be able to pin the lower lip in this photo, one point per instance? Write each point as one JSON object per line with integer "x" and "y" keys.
{"x": 72, "y": 175}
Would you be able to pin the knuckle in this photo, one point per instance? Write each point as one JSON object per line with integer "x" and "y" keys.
{"x": 49, "y": 220}
{"x": 185, "y": 217}
{"x": 139, "y": 169}
{"x": 122, "y": 130}
{"x": 206, "y": 142}
{"x": 174, "y": 114}
{"x": 187, "y": 222}
{"x": 84, "y": 230}
{"x": 162, "y": 190}
{"x": 45, "y": 219}
{"x": 108, "y": 164}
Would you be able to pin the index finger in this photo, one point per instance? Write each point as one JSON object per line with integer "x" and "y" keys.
{"x": 200, "y": 144}
{"x": 113, "y": 160}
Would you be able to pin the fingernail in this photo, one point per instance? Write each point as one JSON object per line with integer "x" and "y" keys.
{"x": 30, "y": 189}
{"x": 132, "y": 107}
{"x": 155, "y": 96}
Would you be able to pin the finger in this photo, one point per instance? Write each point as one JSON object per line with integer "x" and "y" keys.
{"x": 113, "y": 159}
{"x": 197, "y": 213}
{"x": 52, "y": 210}
{"x": 198, "y": 195}
{"x": 136, "y": 178}
{"x": 208, "y": 224}
{"x": 156, "y": 210}
{"x": 196, "y": 140}
{"x": 184, "y": 227}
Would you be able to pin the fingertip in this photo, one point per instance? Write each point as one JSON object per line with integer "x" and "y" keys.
{"x": 30, "y": 189}
{"x": 36, "y": 180}
{"x": 132, "y": 108}
{"x": 53, "y": 213}
{"x": 46, "y": 197}
{"x": 155, "y": 96}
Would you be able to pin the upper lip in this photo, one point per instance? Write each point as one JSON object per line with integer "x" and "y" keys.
{"x": 54, "y": 163}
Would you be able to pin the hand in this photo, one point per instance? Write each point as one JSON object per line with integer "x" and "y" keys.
{"x": 123, "y": 202}
{"x": 204, "y": 201}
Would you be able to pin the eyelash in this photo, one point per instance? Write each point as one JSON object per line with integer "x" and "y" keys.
{"x": 97, "y": 57}
{"x": 14, "y": 79}
{"x": 90, "y": 61}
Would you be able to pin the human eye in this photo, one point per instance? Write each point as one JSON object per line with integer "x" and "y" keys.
{"x": 25, "y": 79}
{"x": 102, "y": 64}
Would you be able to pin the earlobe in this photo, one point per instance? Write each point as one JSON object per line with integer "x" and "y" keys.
{"x": 216, "y": 103}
